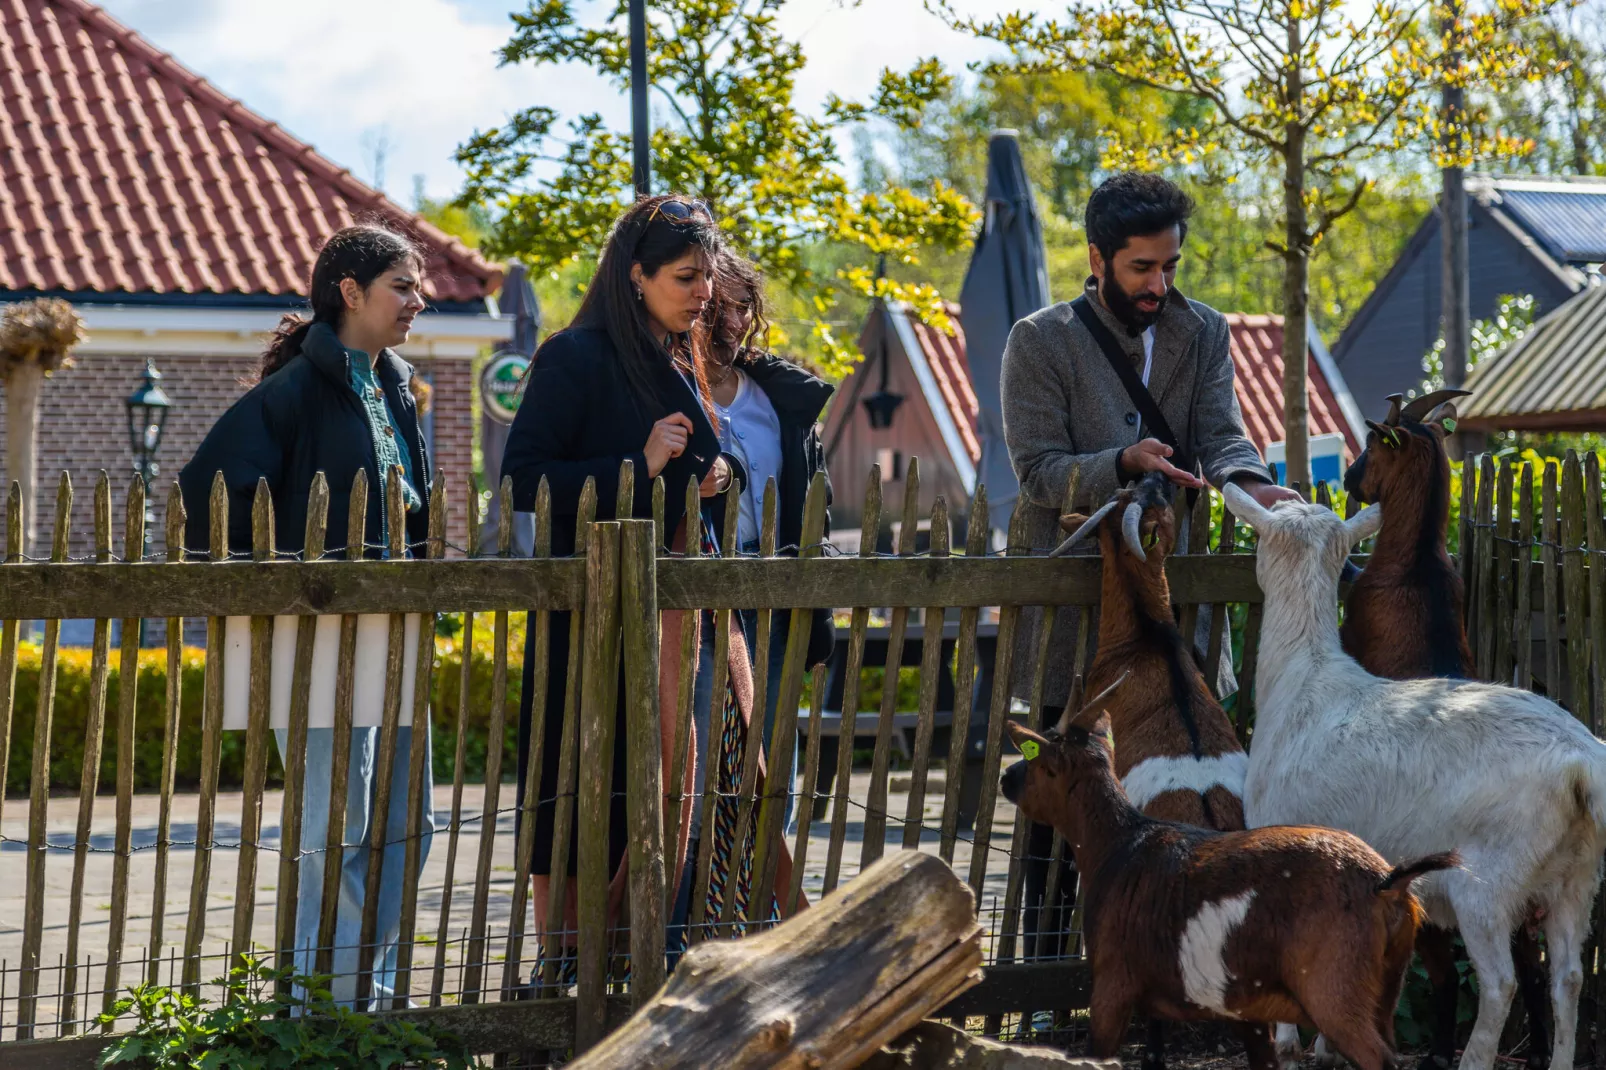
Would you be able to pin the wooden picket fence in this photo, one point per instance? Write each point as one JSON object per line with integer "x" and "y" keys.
{"x": 1536, "y": 579}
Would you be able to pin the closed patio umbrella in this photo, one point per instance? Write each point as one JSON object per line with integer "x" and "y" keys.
{"x": 1007, "y": 280}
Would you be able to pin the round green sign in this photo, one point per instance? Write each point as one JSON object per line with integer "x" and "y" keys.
{"x": 502, "y": 385}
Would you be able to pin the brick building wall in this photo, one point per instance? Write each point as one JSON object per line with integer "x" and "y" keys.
{"x": 83, "y": 428}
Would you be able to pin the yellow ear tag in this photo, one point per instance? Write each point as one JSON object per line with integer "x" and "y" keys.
{"x": 1029, "y": 749}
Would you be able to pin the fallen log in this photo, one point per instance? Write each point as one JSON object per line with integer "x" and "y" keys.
{"x": 825, "y": 989}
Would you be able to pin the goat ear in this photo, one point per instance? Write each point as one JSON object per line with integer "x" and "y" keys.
{"x": 1020, "y": 735}
{"x": 1364, "y": 524}
{"x": 1244, "y": 507}
{"x": 1442, "y": 417}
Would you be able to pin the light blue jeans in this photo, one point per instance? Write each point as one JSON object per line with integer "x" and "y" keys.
{"x": 361, "y": 784}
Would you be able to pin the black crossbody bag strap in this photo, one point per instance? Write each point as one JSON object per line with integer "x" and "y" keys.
{"x": 1144, "y": 401}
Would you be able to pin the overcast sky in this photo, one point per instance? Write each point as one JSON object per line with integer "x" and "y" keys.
{"x": 420, "y": 75}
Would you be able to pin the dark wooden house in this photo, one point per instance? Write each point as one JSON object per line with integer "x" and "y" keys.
{"x": 1535, "y": 235}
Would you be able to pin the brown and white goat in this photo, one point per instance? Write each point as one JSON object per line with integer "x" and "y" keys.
{"x": 1277, "y": 924}
{"x": 1175, "y": 751}
{"x": 1403, "y": 620}
{"x": 1176, "y": 754}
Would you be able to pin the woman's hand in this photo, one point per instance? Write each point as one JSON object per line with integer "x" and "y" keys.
{"x": 718, "y": 479}
{"x": 666, "y": 441}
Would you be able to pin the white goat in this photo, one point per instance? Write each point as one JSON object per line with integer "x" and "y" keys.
{"x": 1506, "y": 778}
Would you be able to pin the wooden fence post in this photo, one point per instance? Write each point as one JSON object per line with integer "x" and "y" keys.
{"x": 33, "y": 914}
{"x": 644, "y": 752}
{"x": 256, "y": 737}
{"x": 295, "y": 756}
{"x": 418, "y": 753}
{"x": 340, "y": 759}
{"x": 474, "y": 954}
{"x": 600, "y": 696}
{"x": 127, "y": 692}
{"x": 869, "y": 529}
{"x": 211, "y": 748}
{"x": 89, "y": 772}
{"x": 175, "y": 520}
{"x": 1575, "y": 597}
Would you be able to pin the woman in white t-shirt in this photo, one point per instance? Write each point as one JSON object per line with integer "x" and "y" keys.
{"x": 769, "y": 410}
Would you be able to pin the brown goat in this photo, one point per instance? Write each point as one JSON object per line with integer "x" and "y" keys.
{"x": 1403, "y": 619}
{"x": 1175, "y": 751}
{"x": 1277, "y": 924}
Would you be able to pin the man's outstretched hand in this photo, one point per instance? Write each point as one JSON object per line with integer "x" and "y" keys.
{"x": 1267, "y": 493}
{"x": 1152, "y": 455}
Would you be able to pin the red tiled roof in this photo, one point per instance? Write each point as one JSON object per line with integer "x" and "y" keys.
{"x": 1257, "y": 358}
{"x": 122, "y": 171}
{"x": 1257, "y": 361}
{"x": 945, "y": 354}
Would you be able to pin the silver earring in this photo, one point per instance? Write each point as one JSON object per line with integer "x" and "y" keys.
{"x": 638, "y": 293}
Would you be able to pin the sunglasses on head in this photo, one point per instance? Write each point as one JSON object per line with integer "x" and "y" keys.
{"x": 679, "y": 210}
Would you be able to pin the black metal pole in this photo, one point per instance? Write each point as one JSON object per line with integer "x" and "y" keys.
{"x": 640, "y": 132}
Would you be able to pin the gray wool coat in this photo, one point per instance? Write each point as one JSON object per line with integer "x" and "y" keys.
{"x": 1066, "y": 412}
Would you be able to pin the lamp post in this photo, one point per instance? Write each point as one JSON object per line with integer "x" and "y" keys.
{"x": 147, "y": 417}
{"x": 640, "y": 129}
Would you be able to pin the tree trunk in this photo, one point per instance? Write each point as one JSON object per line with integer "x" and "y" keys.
{"x": 1296, "y": 280}
{"x": 826, "y": 989}
{"x": 1296, "y": 314}
{"x": 24, "y": 382}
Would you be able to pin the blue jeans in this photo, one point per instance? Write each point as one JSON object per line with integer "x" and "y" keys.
{"x": 360, "y": 786}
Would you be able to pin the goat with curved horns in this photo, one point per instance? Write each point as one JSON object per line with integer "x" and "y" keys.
{"x": 1272, "y": 924}
{"x": 1507, "y": 779}
{"x": 1176, "y": 753}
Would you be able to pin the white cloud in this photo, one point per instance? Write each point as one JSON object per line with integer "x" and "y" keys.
{"x": 423, "y": 73}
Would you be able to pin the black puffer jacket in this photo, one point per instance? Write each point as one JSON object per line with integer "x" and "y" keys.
{"x": 799, "y": 398}
{"x": 303, "y": 419}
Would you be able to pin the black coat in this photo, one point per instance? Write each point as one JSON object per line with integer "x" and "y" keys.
{"x": 303, "y": 419}
{"x": 798, "y": 399}
{"x": 579, "y": 418}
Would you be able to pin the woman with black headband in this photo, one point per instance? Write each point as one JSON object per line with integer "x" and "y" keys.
{"x": 623, "y": 382}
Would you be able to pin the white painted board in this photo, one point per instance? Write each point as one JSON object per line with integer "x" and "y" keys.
{"x": 368, "y": 679}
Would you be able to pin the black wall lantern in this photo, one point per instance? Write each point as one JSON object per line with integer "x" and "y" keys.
{"x": 147, "y": 417}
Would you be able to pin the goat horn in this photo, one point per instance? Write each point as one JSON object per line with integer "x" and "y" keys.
{"x": 1089, "y": 525}
{"x": 1427, "y": 402}
{"x": 1091, "y": 710}
{"x": 1129, "y": 530}
{"x": 1394, "y": 409}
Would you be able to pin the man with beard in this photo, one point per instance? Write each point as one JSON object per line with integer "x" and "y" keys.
{"x": 1067, "y": 409}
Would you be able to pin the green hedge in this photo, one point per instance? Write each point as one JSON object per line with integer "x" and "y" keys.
{"x": 72, "y": 713}
{"x": 72, "y": 716}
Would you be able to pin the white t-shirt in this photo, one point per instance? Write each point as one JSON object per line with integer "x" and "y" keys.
{"x": 751, "y": 431}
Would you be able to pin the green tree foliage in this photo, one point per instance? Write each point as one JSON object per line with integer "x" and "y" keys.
{"x": 1068, "y": 121}
{"x": 1311, "y": 90}
{"x": 727, "y": 132}
{"x": 1561, "y": 116}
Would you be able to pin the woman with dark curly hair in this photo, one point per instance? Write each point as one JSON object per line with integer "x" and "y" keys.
{"x": 769, "y": 410}
{"x": 624, "y": 382}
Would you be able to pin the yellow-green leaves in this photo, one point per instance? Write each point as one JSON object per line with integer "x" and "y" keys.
{"x": 727, "y": 132}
